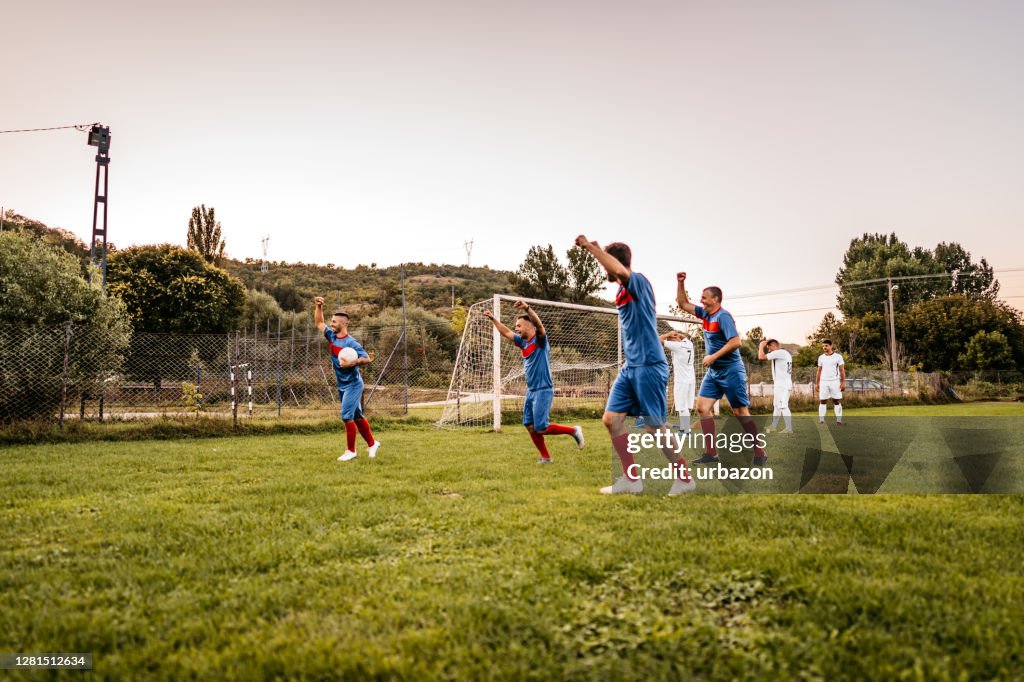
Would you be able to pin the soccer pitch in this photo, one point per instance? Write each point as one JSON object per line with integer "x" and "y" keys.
{"x": 453, "y": 555}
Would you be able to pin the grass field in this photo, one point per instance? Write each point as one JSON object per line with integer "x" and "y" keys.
{"x": 453, "y": 555}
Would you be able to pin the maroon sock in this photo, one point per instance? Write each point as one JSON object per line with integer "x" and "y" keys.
{"x": 620, "y": 443}
{"x": 364, "y": 431}
{"x": 350, "y": 435}
{"x": 750, "y": 426}
{"x": 707, "y": 425}
{"x": 559, "y": 430}
{"x": 542, "y": 447}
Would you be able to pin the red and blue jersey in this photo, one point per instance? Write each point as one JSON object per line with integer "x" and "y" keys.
{"x": 640, "y": 342}
{"x": 536, "y": 360}
{"x": 719, "y": 327}
{"x": 347, "y": 376}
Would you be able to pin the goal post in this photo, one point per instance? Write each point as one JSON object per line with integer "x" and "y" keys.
{"x": 488, "y": 379}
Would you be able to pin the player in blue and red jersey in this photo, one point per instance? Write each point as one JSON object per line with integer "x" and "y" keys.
{"x": 531, "y": 338}
{"x": 726, "y": 375}
{"x": 641, "y": 386}
{"x": 350, "y": 381}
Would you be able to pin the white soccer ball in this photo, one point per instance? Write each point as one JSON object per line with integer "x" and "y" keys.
{"x": 347, "y": 354}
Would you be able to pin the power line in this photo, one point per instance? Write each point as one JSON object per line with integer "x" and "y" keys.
{"x": 870, "y": 282}
{"x": 80, "y": 127}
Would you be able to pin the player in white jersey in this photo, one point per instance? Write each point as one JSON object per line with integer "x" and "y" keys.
{"x": 830, "y": 382}
{"x": 680, "y": 347}
{"x": 782, "y": 378}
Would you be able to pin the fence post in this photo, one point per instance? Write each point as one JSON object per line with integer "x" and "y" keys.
{"x": 64, "y": 377}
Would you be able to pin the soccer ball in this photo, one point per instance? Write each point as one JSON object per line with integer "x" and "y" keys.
{"x": 347, "y": 354}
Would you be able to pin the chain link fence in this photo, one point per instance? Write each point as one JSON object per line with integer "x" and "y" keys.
{"x": 62, "y": 373}
{"x": 55, "y": 374}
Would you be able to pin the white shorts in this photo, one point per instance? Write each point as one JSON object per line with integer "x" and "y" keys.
{"x": 782, "y": 397}
{"x": 684, "y": 395}
{"x": 830, "y": 389}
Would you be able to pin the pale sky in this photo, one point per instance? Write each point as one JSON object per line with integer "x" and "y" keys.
{"x": 743, "y": 142}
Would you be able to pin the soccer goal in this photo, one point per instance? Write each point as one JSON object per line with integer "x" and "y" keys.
{"x": 586, "y": 354}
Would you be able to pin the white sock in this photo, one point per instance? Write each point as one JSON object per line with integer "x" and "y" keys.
{"x": 684, "y": 420}
{"x": 822, "y": 409}
{"x": 788, "y": 416}
{"x": 839, "y": 412}
{"x": 775, "y": 417}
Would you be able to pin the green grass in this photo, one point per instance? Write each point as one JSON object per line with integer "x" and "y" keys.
{"x": 453, "y": 555}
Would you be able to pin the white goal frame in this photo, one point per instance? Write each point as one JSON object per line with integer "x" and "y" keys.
{"x": 455, "y": 394}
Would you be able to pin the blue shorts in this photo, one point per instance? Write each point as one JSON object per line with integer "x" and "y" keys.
{"x": 350, "y": 397}
{"x": 640, "y": 392}
{"x": 537, "y": 408}
{"x": 732, "y": 383}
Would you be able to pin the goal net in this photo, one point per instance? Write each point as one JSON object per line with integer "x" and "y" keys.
{"x": 586, "y": 353}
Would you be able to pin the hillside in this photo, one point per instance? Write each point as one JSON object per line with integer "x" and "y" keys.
{"x": 365, "y": 287}
{"x": 429, "y": 286}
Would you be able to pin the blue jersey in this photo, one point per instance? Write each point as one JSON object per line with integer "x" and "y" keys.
{"x": 537, "y": 360}
{"x": 347, "y": 376}
{"x": 640, "y": 342}
{"x": 719, "y": 328}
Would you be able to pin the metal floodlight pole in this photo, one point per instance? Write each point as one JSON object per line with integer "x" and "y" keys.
{"x": 99, "y": 137}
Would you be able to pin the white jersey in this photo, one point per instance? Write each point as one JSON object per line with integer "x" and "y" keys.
{"x": 782, "y": 368}
{"x": 830, "y": 365}
{"x": 682, "y": 360}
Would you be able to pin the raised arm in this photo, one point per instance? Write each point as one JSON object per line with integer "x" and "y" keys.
{"x": 760, "y": 350}
{"x": 610, "y": 263}
{"x": 502, "y": 329}
{"x": 730, "y": 345}
{"x": 318, "y": 314}
{"x": 532, "y": 314}
{"x": 682, "y": 300}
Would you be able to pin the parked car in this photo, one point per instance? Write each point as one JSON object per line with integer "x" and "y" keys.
{"x": 865, "y": 385}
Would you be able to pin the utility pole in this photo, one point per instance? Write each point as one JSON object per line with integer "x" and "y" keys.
{"x": 99, "y": 137}
{"x": 892, "y": 332}
{"x": 469, "y": 252}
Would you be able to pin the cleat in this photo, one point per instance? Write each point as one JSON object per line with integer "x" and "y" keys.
{"x": 577, "y": 435}
{"x": 623, "y": 485}
{"x": 761, "y": 461}
{"x": 787, "y": 431}
{"x": 543, "y": 460}
{"x": 707, "y": 458}
{"x": 821, "y": 423}
{"x": 372, "y": 451}
{"x": 348, "y": 456}
{"x": 681, "y": 487}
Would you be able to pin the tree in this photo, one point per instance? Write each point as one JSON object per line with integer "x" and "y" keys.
{"x": 459, "y": 317}
{"x": 584, "y": 274}
{"x": 748, "y": 350}
{"x": 169, "y": 289}
{"x": 260, "y": 308}
{"x": 204, "y": 235}
{"x": 876, "y": 256}
{"x": 936, "y": 332}
{"x": 830, "y": 328}
{"x": 41, "y": 291}
{"x": 540, "y": 275}
{"x": 807, "y": 356}
{"x": 973, "y": 280}
{"x": 987, "y": 350}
